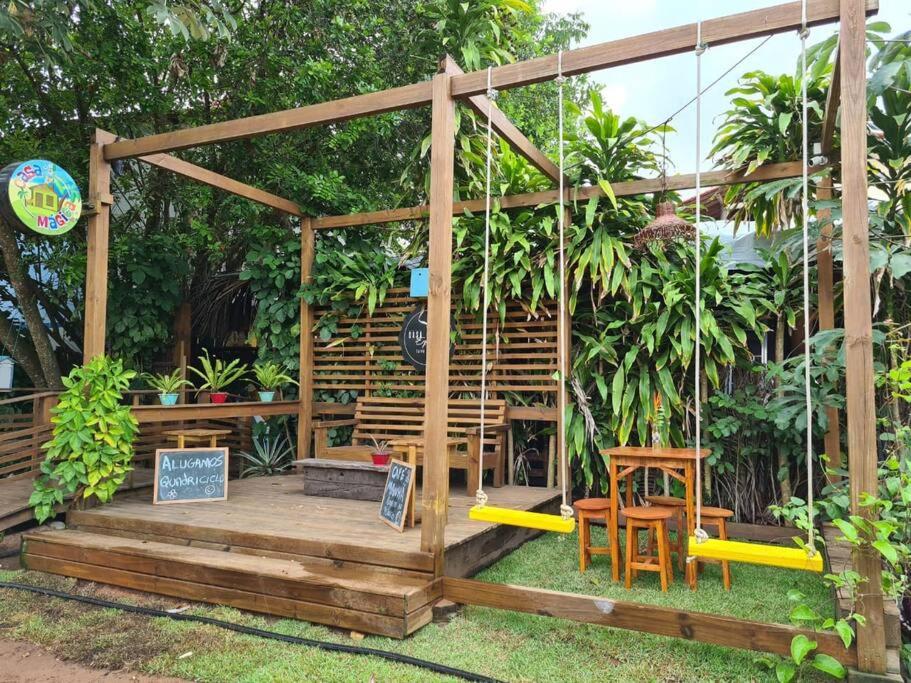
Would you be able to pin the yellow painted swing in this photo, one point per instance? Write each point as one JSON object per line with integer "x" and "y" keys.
{"x": 481, "y": 511}
{"x": 701, "y": 547}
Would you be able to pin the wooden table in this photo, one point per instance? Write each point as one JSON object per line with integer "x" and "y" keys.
{"x": 196, "y": 436}
{"x": 673, "y": 461}
{"x": 408, "y": 449}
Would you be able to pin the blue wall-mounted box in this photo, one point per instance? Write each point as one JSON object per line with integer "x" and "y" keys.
{"x": 420, "y": 282}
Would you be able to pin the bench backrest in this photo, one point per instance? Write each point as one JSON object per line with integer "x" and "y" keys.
{"x": 396, "y": 418}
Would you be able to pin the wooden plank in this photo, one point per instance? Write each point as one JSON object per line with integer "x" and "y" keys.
{"x": 698, "y": 626}
{"x": 256, "y": 602}
{"x": 830, "y": 114}
{"x": 305, "y": 350}
{"x": 435, "y": 502}
{"x": 684, "y": 181}
{"x": 860, "y": 394}
{"x": 505, "y": 128}
{"x": 394, "y": 99}
{"x": 266, "y": 539}
{"x": 825, "y": 304}
{"x": 97, "y": 232}
{"x": 211, "y": 411}
{"x": 681, "y": 39}
{"x": 221, "y": 182}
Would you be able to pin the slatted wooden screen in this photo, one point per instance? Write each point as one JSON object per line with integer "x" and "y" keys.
{"x": 364, "y": 355}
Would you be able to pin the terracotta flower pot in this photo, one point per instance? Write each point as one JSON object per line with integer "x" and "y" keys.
{"x": 380, "y": 458}
{"x": 218, "y": 397}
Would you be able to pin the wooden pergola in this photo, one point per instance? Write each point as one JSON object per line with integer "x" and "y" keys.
{"x": 442, "y": 93}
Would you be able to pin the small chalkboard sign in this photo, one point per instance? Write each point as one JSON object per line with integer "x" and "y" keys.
{"x": 397, "y": 494}
{"x": 189, "y": 475}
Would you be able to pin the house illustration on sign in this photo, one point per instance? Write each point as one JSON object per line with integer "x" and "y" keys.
{"x": 44, "y": 199}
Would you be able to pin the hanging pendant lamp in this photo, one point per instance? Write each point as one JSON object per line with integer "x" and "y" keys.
{"x": 666, "y": 226}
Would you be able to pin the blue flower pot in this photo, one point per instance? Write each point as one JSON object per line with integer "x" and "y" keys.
{"x": 168, "y": 399}
{"x": 266, "y": 396}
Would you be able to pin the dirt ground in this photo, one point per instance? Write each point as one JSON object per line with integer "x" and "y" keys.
{"x": 26, "y": 663}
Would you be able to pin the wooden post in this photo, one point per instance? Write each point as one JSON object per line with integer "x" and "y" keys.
{"x": 305, "y": 395}
{"x": 861, "y": 399}
{"x": 826, "y": 307}
{"x": 183, "y": 332}
{"x": 563, "y": 468}
{"x": 96, "y": 267}
{"x": 436, "y": 466}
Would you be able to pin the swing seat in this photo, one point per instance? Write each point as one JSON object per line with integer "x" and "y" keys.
{"x": 530, "y": 520}
{"x": 755, "y": 553}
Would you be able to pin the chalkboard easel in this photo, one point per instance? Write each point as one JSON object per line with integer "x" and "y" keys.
{"x": 395, "y": 507}
{"x": 190, "y": 475}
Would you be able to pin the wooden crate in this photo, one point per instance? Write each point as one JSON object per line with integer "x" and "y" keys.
{"x": 343, "y": 479}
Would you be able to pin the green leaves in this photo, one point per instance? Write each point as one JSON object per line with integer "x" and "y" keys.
{"x": 801, "y": 646}
{"x": 91, "y": 447}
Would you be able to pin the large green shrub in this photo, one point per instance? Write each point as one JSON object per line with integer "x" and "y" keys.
{"x": 91, "y": 448}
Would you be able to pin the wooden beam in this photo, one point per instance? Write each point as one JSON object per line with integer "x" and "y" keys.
{"x": 860, "y": 394}
{"x": 777, "y": 19}
{"x": 757, "y": 23}
{"x": 825, "y": 303}
{"x": 508, "y": 131}
{"x": 765, "y": 173}
{"x": 212, "y": 411}
{"x": 830, "y": 115}
{"x": 436, "y": 392}
{"x": 305, "y": 378}
{"x": 220, "y": 182}
{"x": 394, "y": 99}
{"x": 589, "y": 609}
{"x": 97, "y": 236}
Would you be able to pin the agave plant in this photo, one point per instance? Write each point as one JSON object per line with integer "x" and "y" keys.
{"x": 218, "y": 375}
{"x": 272, "y": 454}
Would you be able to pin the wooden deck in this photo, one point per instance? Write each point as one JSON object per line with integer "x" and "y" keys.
{"x": 272, "y": 549}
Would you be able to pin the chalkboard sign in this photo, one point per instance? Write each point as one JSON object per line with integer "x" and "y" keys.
{"x": 397, "y": 494}
{"x": 413, "y": 338}
{"x": 185, "y": 475}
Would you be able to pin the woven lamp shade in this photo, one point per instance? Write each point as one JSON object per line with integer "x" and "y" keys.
{"x": 666, "y": 226}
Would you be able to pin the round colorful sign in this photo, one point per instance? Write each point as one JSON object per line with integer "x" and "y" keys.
{"x": 40, "y": 196}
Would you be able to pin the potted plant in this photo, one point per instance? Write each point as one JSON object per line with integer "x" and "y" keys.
{"x": 168, "y": 386}
{"x": 218, "y": 376}
{"x": 270, "y": 377}
{"x": 381, "y": 453}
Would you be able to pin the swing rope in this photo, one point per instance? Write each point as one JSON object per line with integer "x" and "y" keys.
{"x": 481, "y": 499}
{"x": 700, "y": 534}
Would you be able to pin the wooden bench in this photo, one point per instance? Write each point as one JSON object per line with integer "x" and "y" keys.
{"x": 385, "y": 419}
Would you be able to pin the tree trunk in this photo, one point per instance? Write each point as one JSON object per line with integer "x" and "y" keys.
{"x": 28, "y": 306}
{"x": 22, "y": 351}
{"x": 784, "y": 469}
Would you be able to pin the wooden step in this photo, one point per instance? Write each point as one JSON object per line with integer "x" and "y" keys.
{"x": 345, "y": 597}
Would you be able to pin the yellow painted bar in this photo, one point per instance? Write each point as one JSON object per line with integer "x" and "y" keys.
{"x": 755, "y": 553}
{"x": 531, "y": 520}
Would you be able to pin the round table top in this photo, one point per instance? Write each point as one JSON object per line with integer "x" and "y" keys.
{"x": 651, "y": 512}
{"x": 590, "y": 504}
{"x": 200, "y": 433}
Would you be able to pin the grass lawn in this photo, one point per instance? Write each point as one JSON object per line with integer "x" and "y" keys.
{"x": 508, "y": 646}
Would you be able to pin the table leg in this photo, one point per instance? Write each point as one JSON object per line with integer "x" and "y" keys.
{"x": 180, "y": 441}
{"x": 629, "y": 490}
{"x": 691, "y": 493}
{"x": 614, "y": 522}
{"x": 412, "y": 458}
{"x": 213, "y": 442}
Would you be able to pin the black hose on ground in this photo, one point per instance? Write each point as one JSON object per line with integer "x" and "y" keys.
{"x": 262, "y": 633}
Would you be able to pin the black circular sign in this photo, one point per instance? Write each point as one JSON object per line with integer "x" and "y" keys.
{"x": 413, "y": 338}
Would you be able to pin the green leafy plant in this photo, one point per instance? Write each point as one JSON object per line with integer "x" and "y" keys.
{"x": 271, "y": 376}
{"x": 91, "y": 446}
{"x": 218, "y": 375}
{"x": 272, "y": 454}
{"x": 166, "y": 383}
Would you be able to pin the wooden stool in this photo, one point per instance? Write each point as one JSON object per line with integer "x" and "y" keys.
{"x": 716, "y": 517}
{"x": 588, "y": 509}
{"x": 678, "y": 505}
{"x": 653, "y": 518}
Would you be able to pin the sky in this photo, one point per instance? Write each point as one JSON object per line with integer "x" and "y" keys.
{"x": 653, "y": 90}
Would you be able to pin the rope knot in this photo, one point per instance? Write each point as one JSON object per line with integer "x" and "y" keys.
{"x": 804, "y": 33}
{"x": 560, "y": 80}
{"x": 701, "y": 535}
{"x": 701, "y": 48}
{"x": 492, "y": 94}
{"x": 480, "y": 498}
{"x": 566, "y": 511}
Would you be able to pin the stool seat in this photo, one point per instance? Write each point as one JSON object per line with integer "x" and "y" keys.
{"x": 648, "y": 514}
{"x": 666, "y": 501}
{"x": 717, "y": 513}
{"x": 592, "y": 504}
